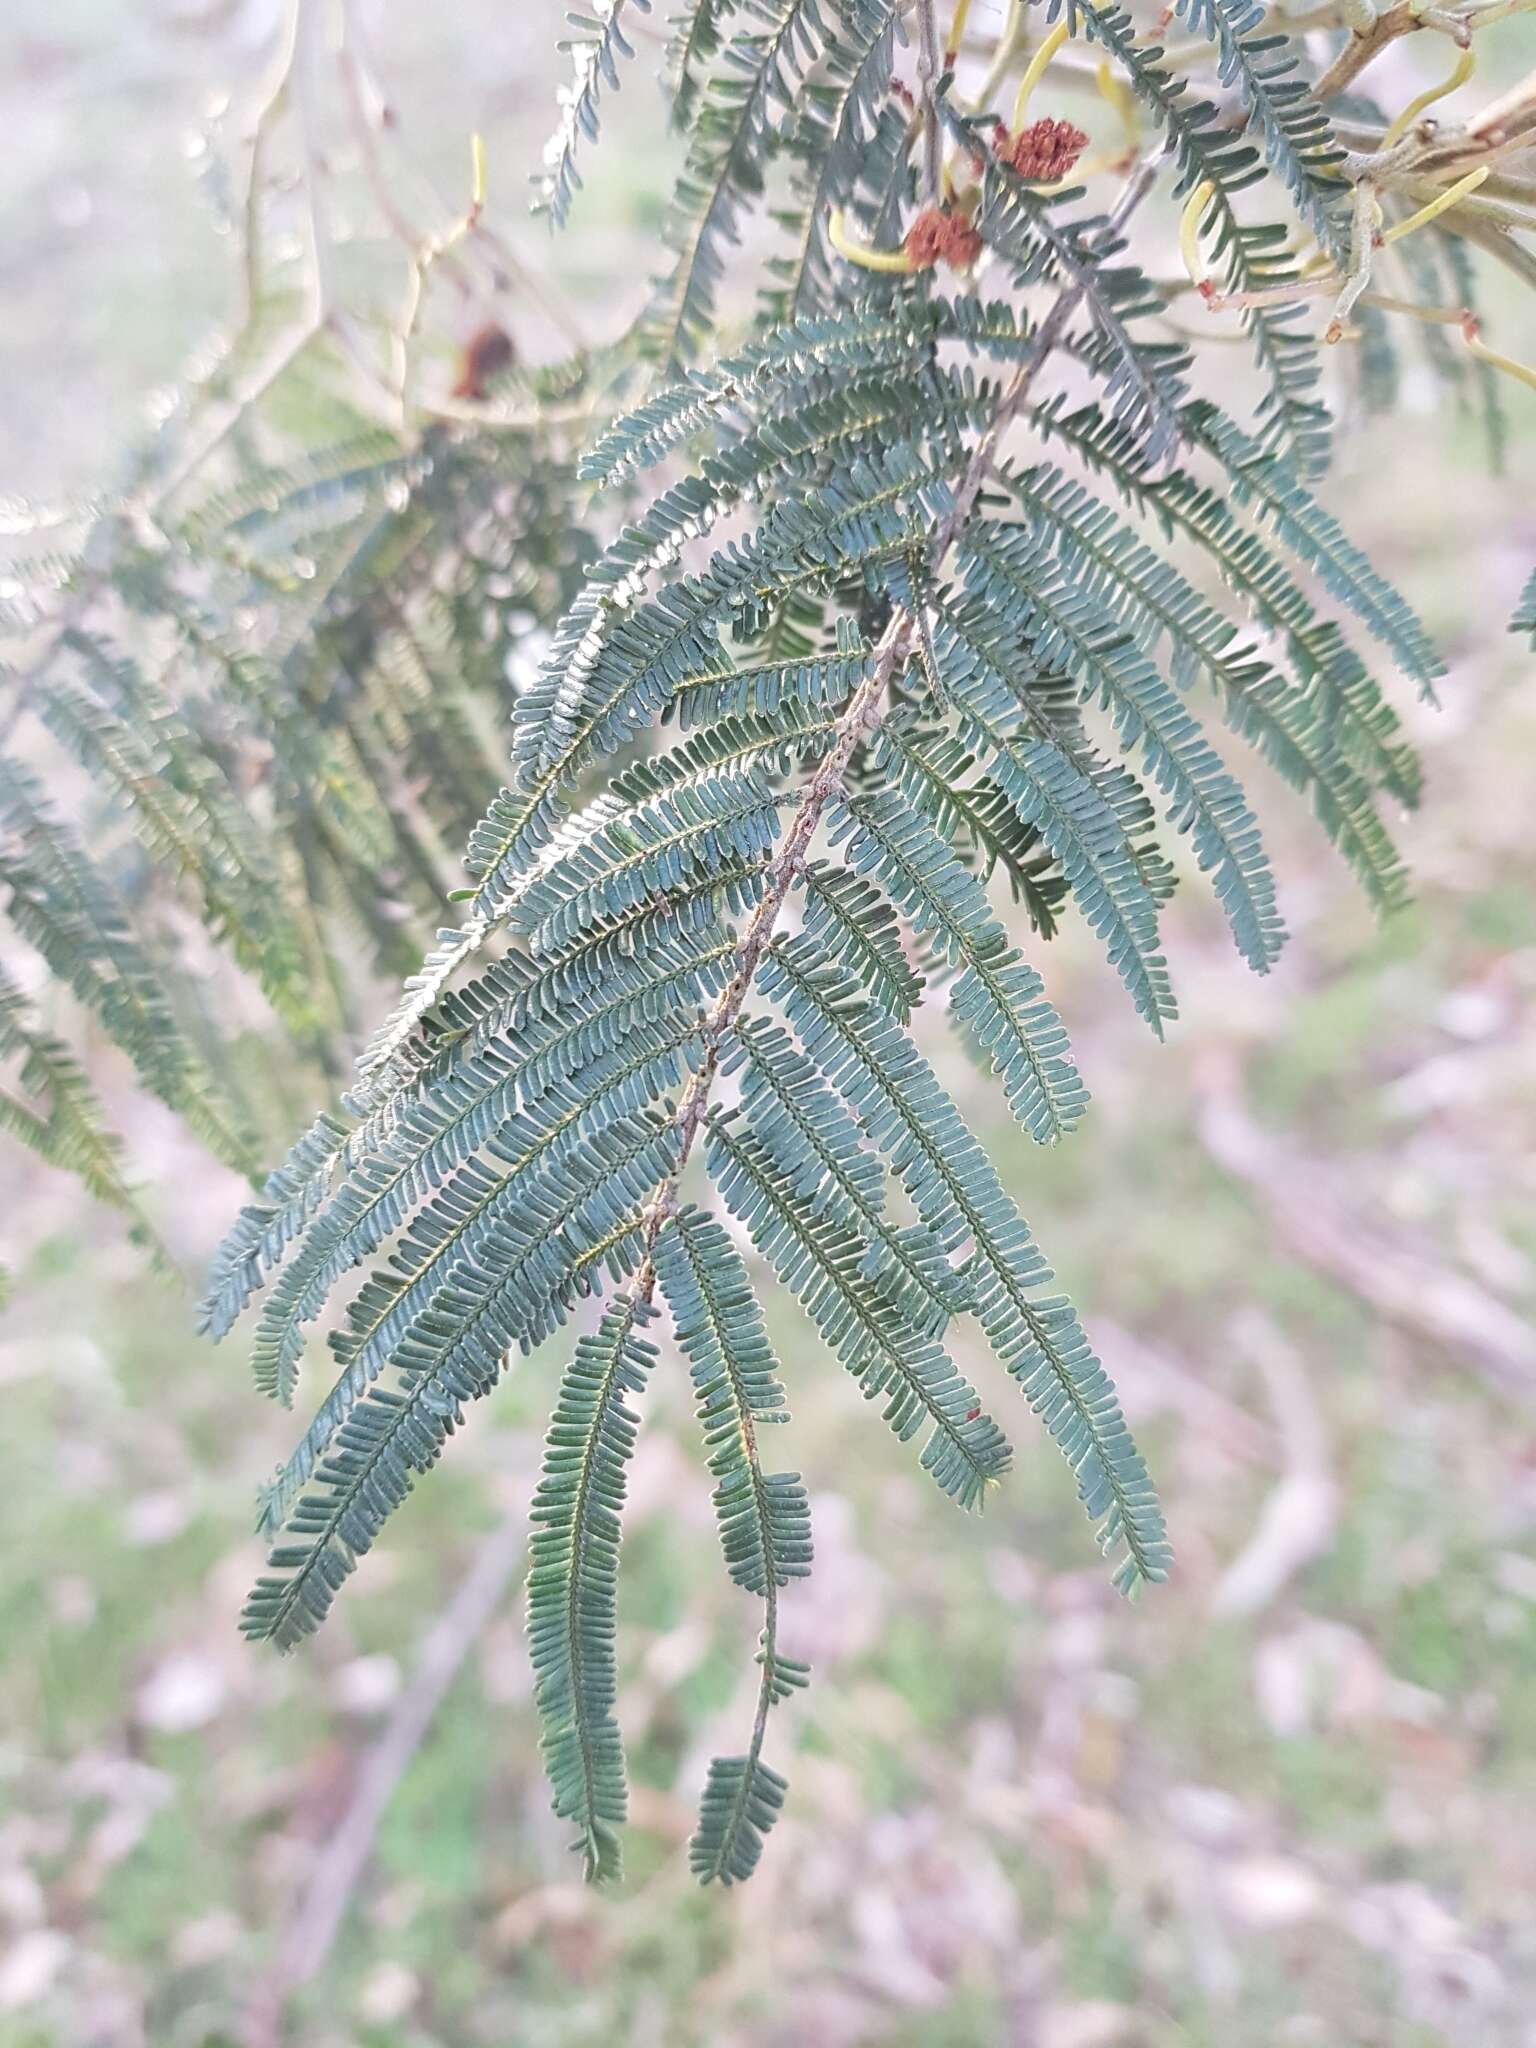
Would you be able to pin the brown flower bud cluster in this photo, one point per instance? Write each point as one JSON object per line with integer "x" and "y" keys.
{"x": 1044, "y": 152}
{"x": 942, "y": 235}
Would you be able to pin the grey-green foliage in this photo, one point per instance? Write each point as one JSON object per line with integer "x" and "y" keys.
{"x": 596, "y": 52}
{"x": 1250, "y": 256}
{"x": 270, "y": 715}
{"x": 573, "y": 1578}
{"x": 816, "y": 703}
{"x": 56, "y": 1114}
{"x": 763, "y": 1518}
{"x": 1264, "y": 69}
{"x": 1524, "y": 620}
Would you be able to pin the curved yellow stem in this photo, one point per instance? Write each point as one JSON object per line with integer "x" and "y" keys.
{"x": 1189, "y": 228}
{"x": 1113, "y": 88}
{"x": 466, "y": 224}
{"x": 1484, "y": 354}
{"x": 1002, "y": 57}
{"x": 1034, "y": 71}
{"x": 1439, "y": 316}
{"x": 893, "y": 260}
{"x": 956, "y": 34}
{"x": 1461, "y": 71}
{"x": 1442, "y": 204}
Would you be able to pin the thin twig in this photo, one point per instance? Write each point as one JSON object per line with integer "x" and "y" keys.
{"x": 266, "y": 114}
{"x": 487, "y": 250}
{"x": 1406, "y": 18}
{"x": 424, "y": 260}
{"x": 303, "y": 59}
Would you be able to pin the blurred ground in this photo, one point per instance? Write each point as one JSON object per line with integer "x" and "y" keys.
{"x": 1291, "y": 1799}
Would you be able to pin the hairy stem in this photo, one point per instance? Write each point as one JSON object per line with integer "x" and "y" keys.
{"x": 770, "y": 1644}
{"x": 859, "y": 718}
{"x": 928, "y": 76}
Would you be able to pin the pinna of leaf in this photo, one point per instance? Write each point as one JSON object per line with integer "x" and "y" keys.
{"x": 917, "y": 669}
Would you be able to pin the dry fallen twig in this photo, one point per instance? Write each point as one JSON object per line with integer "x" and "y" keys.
{"x": 1298, "y": 1519}
{"x": 317, "y": 1919}
{"x": 1394, "y": 1273}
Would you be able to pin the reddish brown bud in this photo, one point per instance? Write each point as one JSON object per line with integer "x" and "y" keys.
{"x": 941, "y": 236}
{"x": 487, "y": 354}
{"x": 1045, "y": 151}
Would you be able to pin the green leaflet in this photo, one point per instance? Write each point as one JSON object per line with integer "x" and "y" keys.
{"x": 1068, "y": 619}
{"x": 904, "y": 1111}
{"x": 595, "y": 58}
{"x": 1298, "y": 138}
{"x": 1049, "y": 784}
{"x": 793, "y": 358}
{"x": 581, "y": 1216}
{"x": 976, "y": 818}
{"x": 552, "y": 1049}
{"x": 772, "y": 745}
{"x": 851, "y": 920}
{"x": 127, "y": 735}
{"x": 252, "y": 1248}
{"x": 829, "y": 140}
{"x": 998, "y": 996}
{"x": 696, "y": 32}
{"x": 806, "y": 1134}
{"x": 831, "y": 424}
{"x": 464, "y": 1216}
{"x": 741, "y": 1802}
{"x": 65, "y": 907}
{"x": 1250, "y": 257}
{"x": 764, "y": 1520}
{"x": 732, "y": 129}
{"x": 1142, "y": 378}
{"x": 762, "y": 1516}
{"x": 1330, "y": 732}
{"x": 646, "y": 854}
{"x": 1316, "y": 538}
{"x": 573, "y": 1579}
{"x": 63, "y": 1123}
{"x": 826, "y": 1266}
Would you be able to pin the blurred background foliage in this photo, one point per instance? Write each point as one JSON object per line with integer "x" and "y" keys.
{"x": 1291, "y": 1799}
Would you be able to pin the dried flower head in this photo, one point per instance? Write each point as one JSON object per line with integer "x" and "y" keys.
{"x": 939, "y": 235}
{"x": 1044, "y": 151}
{"x": 487, "y": 355}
